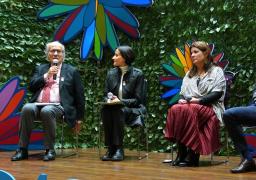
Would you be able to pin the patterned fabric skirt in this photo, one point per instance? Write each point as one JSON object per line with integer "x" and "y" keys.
{"x": 194, "y": 125}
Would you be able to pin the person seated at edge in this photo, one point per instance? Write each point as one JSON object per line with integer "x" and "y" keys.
{"x": 54, "y": 82}
{"x": 195, "y": 121}
{"x": 124, "y": 85}
{"x": 234, "y": 119}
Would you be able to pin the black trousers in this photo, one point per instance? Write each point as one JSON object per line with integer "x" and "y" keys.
{"x": 113, "y": 117}
{"x": 234, "y": 119}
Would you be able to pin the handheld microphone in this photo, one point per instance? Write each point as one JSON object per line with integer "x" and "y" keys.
{"x": 110, "y": 95}
{"x": 55, "y": 63}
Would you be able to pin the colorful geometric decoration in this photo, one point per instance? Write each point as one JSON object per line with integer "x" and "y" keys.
{"x": 6, "y": 175}
{"x": 95, "y": 18}
{"x": 177, "y": 68}
{"x": 11, "y": 98}
{"x": 251, "y": 142}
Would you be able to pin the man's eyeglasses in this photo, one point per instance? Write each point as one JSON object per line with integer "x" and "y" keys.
{"x": 52, "y": 51}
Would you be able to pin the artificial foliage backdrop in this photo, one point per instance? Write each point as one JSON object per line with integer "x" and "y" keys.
{"x": 167, "y": 24}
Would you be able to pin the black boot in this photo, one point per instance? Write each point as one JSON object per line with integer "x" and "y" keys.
{"x": 181, "y": 155}
{"x": 119, "y": 155}
{"x": 192, "y": 160}
{"x": 195, "y": 159}
{"x": 110, "y": 152}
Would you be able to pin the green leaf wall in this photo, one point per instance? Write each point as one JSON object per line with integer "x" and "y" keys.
{"x": 167, "y": 24}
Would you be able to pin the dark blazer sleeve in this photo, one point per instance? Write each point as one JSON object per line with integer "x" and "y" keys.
{"x": 79, "y": 96}
{"x": 111, "y": 83}
{"x": 72, "y": 94}
{"x": 137, "y": 91}
{"x": 37, "y": 81}
{"x": 210, "y": 98}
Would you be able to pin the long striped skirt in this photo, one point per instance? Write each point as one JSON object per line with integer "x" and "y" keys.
{"x": 194, "y": 125}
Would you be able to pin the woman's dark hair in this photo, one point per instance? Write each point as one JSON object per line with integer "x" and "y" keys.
{"x": 127, "y": 53}
{"x": 204, "y": 47}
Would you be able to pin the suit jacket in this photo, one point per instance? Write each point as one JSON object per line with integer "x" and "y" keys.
{"x": 133, "y": 92}
{"x": 71, "y": 91}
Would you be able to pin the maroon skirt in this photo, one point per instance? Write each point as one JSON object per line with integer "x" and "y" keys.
{"x": 194, "y": 125}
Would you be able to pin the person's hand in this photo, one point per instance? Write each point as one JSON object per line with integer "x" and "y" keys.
{"x": 182, "y": 101}
{"x": 52, "y": 70}
{"x": 194, "y": 100}
{"x": 114, "y": 99}
{"x": 77, "y": 127}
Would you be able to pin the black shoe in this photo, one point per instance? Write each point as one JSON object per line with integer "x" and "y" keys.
{"x": 49, "y": 155}
{"x": 185, "y": 164}
{"x": 119, "y": 155}
{"x": 245, "y": 166}
{"x": 176, "y": 161}
{"x": 195, "y": 159}
{"x": 182, "y": 153}
{"x": 192, "y": 160}
{"x": 20, "y": 155}
{"x": 188, "y": 164}
{"x": 108, "y": 156}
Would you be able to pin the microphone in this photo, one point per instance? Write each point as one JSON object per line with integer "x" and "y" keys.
{"x": 110, "y": 96}
{"x": 55, "y": 63}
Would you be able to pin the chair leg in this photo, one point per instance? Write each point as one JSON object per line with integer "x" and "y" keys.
{"x": 227, "y": 149}
{"x": 212, "y": 158}
{"x": 62, "y": 137}
{"x": 144, "y": 130}
{"x": 138, "y": 143}
{"x": 62, "y": 142}
{"x": 227, "y": 146}
{"x": 172, "y": 155}
{"x": 146, "y": 134}
{"x": 99, "y": 138}
{"x": 76, "y": 148}
{"x": 172, "y": 151}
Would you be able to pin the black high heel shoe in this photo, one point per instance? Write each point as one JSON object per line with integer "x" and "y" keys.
{"x": 181, "y": 155}
{"x": 192, "y": 160}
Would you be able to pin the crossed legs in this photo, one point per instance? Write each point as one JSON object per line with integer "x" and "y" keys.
{"x": 234, "y": 119}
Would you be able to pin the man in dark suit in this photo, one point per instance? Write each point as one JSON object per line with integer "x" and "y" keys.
{"x": 57, "y": 91}
{"x": 234, "y": 119}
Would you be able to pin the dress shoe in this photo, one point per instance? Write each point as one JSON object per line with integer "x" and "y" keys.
{"x": 192, "y": 160}
{"x": 119, "y": 155}
{"x": 245, "y": 166}
{"x": 20, "y": 154}
{"x": 108, "y": 156}
{"x": 49, "y": 155}
{"x": 176, "y": 161}
{"x": 188, "y": 164}
{"x": 181, "y": 155}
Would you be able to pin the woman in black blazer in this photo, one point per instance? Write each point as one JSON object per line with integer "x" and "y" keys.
{"x": 125, "y": 101}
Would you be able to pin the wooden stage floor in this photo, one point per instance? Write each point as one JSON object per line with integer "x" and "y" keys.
{"x": 88, "y": 166}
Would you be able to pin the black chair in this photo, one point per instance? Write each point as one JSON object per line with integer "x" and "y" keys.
{"x": 62, "y": 140}
{"x": 142, "y": 126}
{"x": 76, "y": 151}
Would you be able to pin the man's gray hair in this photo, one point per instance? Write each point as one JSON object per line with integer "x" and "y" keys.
{"x": 54, "y": 43}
